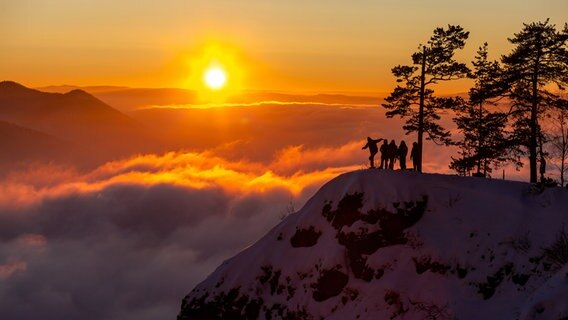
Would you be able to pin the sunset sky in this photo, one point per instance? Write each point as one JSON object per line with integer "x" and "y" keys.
{"x": 116, "y": 202}
{"x": 307, "y": 46}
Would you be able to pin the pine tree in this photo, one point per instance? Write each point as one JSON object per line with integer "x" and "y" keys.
{"x": 485, "y": 143}
{"x": 415, "y": 100}
{"x": 539, "y": 58}
{"x": 559, "y": 139}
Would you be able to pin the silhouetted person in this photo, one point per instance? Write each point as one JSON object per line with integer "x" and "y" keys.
{"x": 414, "y": 156}
{"x": 392, "y": 152}
{"x": 402, "y": 152}
{"x": 384, "y": 154}
{"x": 373, "y": 149}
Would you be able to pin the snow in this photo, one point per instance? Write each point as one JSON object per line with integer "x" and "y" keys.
{"x": 479, "y": 245}
{"x": 549, "y": 301}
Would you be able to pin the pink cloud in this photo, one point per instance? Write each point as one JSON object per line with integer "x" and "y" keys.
{"x": 8, "y": 269}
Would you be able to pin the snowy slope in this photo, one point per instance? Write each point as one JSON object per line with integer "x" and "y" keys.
{"x": 379, "y": 244}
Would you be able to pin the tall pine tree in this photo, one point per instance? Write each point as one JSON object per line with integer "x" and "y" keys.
{"x": 559, "y": 139}
{"x": 485, "y": 144}
{"x": 539, "y": 58}
{"x": 414, "y": 99}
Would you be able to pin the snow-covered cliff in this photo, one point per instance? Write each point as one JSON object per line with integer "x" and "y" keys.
{"x": 376, "y": 244}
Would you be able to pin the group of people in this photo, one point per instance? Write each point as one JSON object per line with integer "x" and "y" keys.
{"x": 390, "y": 152}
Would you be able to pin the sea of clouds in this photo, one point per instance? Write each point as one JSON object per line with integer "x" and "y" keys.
{"x": 130, "y": 238}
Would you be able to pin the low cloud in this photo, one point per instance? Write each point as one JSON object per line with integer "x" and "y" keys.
{"x": 130, "y": 238}
{"x": 10, "y": 268}
{"x": 270, "y": 103}
{"x": 299, "y": 159}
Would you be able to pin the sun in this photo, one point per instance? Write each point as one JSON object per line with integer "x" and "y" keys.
{"x": 216, "y": 72}
{"x": 215, "y": 78}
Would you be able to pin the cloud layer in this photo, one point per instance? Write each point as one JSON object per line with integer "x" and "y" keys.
{"x": 129, "y": 239}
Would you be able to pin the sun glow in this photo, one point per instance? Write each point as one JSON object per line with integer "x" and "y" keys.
{"x": 215, "y": 78}
{"x": 216, "y": 72}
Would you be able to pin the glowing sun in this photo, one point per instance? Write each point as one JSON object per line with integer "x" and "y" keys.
{"x": 215, "y": 78}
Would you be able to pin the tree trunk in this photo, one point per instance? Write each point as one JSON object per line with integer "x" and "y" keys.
{"x": 533, "y": 138}
{"x": 564, "y": 150}
{"x": 421, "y": 110}
{"x": 533, "y": 120}
{"x": 479, "y": 136}
{"x": 563, "y": 159}
{"x": 541, "y": 154}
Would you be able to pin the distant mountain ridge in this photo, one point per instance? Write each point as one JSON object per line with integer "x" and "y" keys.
{"x": 90, "y": 89}
{"x": 56, "y": 112}
{"x": 128, "y": 99}
{"x": 96, "y": 129}
{"x": 22, "y": 146}
{"x": 132, "y": 99}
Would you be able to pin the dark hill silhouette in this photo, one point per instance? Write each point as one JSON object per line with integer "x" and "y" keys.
{"x": 21, "y": 146}
{"x": 99, "y": 130}
{"x": 127, "y": 99}
{"x": 57, "y": 113}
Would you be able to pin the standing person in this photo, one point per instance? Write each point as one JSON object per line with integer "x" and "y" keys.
{"x": 402, "y": 152}
{"x": 373, "y": 149}
{"x": 392, "y": 151}
{"x": 414, "y": 155}
{"x": 384, "y": 154}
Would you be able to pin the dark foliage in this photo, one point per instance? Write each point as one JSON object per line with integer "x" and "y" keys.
{"x": 329, "y": 284}
{"x": 487, "y": 289}
{"x": 393, "y": 299}
{"x": 347, "y": 211}
{"x": 414, "y": 99}
{"x": 272, "y": 278}
{"x": 485, "y": 143}
{"x": 557, "y": 253}
{"x": 539, "y": 58}
{"x": 305, "y": 237}
{"x": 363, "y": 243}
{"x": 230, "y": 305}
{"x": 507, "y": 272}
{"x": 425, "y": 263}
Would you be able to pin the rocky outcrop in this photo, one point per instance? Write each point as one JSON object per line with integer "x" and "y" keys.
{"x": 388, "y": 245}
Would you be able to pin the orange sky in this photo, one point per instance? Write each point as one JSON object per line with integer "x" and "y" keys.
{"x": 289, "y": 45}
